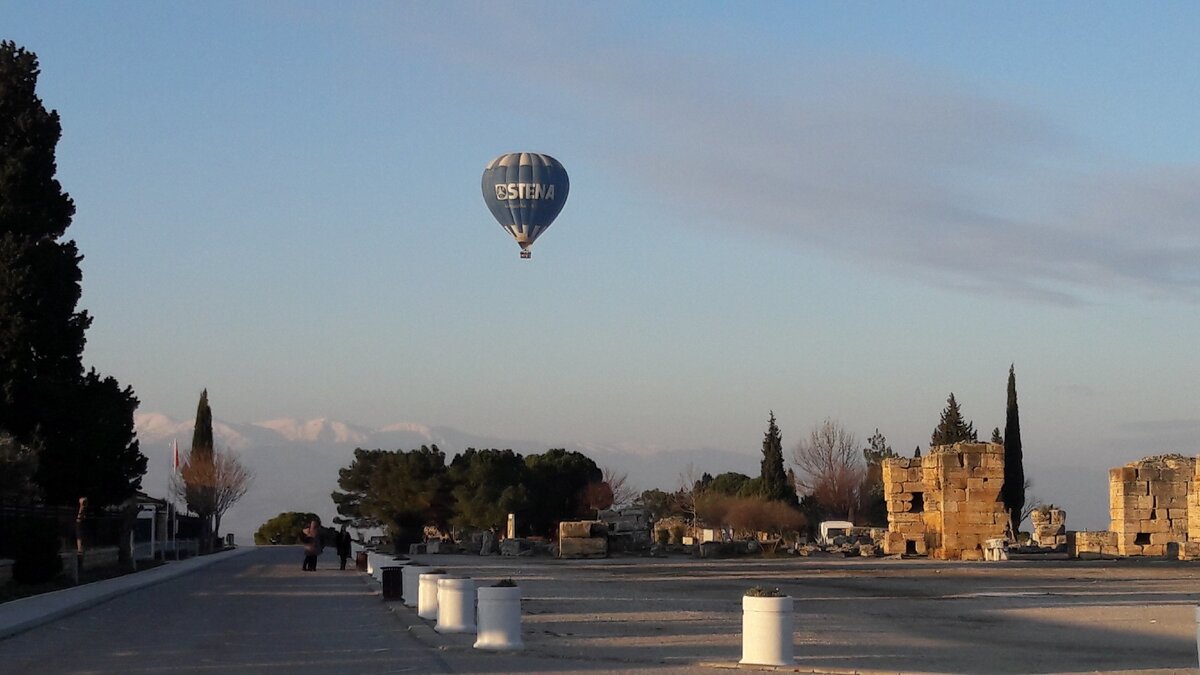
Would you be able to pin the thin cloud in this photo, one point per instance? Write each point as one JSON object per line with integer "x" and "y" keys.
{"x": 876, "y": 161}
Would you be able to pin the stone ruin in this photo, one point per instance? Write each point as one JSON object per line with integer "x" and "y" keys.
{"x": 583, "y": 539}
{"x": 628, "y": 529}
{"x": 946, "y": 504}
{"x": 1155, "y": 507}
{"x": 1049, "y": 527}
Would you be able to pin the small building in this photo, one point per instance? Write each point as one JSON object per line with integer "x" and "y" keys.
{"x": 946, "y": 504}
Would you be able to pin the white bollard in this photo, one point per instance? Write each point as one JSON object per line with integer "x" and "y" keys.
{"x": 456, "y": 605}
{"x": 427, "y": 594}
{"x": 499, "y": 624}
{"x": 767, "y": 631}
{"x": 412, "y": 582}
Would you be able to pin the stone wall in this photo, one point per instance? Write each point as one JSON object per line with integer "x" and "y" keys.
{"x": 1092, "y": 545}
{"x": 1193, "y": 502}
{"x": 1149, "y": 501}
{"x": 947, "y": 503}
{"x": 582, "y": 539}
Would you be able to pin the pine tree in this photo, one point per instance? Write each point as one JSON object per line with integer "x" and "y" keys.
{"x": 952, "y": 428}
{"x": 775, "y": 486}
{"x": 1013, "y": 492}
{"x": 81, "y": 423}
{"x": 996, "y": 437}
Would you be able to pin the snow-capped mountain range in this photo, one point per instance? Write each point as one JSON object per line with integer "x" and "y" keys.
{"x": 295, "y": 462}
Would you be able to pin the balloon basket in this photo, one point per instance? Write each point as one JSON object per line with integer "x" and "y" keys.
{"x": 526, "y": 255}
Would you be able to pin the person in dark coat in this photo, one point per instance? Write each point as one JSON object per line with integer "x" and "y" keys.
{"x": 343, "y": 545}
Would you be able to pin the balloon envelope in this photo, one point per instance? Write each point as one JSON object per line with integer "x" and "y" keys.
{"x": 525, "y": 192}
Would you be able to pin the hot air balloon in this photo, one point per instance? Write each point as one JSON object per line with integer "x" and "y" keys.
{"x": 525, "y": 191}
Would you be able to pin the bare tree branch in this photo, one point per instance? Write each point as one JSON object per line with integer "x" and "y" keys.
{"x": 623, "y": 494}
{"x": 830, "y": 468}
{"x": 212, "y": 483}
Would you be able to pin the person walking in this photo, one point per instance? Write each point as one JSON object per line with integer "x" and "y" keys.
{"x": 312, "y": 545}
{"x": 343, "y": 546}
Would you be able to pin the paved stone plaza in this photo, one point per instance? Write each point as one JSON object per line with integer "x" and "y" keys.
{"x": 258, "y": 613}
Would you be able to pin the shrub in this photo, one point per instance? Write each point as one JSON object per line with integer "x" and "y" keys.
{"x": 35, "y": 554}
{"x": 505, "y": 583}
{"x": 763, "y": 592}
{"x": 663, "y": 537}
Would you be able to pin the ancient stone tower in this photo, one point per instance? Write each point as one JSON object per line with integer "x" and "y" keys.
{"x": 947, "y": 503}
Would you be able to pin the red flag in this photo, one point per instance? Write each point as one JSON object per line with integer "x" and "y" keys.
{"x": 175, "y": 445}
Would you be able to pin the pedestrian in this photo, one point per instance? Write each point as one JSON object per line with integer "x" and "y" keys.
{"x": 343, "y": 546}
{"x": 312, "y": 545}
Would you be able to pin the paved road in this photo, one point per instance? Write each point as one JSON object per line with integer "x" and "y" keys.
{"x": 862, "y": 615}
{"x": 258, "y": 613}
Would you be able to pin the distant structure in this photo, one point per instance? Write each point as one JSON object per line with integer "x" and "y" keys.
{"x": 1155, "y": 506}
{"x": 946, "y": 504}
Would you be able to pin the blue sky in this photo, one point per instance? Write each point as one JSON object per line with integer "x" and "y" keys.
{"x": 841, "y": 210}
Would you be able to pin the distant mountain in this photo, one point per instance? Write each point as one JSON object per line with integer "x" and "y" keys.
{"x": 295, "y": 462}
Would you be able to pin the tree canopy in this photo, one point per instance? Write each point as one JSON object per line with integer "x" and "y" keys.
{"x": 488, "y": 485}
{"x": 402, "y": 491}
{"x": 952, "y": 428}
{"x": 285, "y": 528}
{"x": 557, "y": 482}
{"x": 81, "y": 424}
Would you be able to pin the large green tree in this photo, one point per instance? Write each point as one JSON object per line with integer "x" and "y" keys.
{"x": 81, "y": 423}
{"x": 355, "y": 482}
{"x": 400, "y": 491}
{"x": 952, "y": 428}
{"x": 774, "y": 484}
{"x": 558, "y": 480}
{"x": 488, "y": 485}
{"x": 1013, "y": 492}
{"x": 285, "y": 528}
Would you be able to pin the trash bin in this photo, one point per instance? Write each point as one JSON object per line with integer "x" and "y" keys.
{"x": 360, "y": 561}
{"x": 393, "y": 582}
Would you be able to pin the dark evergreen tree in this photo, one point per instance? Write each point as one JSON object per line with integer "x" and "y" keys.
{"x": 400, "y": 491}
{"x": 917, "y": 453}
{"x": 729, "y": 483}
{"x": 82, "y": 424}
{"x": 996, "y": 437}
{"x": 774, "y": 484}
{"x": 952, "y": 428}
{"x": 558, "y": 480}
{"x": 202, "y": 432}
{"x": 200, "y": 492}
{"x": 487, "y": 486}
{"x": 1013, "y": 492}
{"x": 874, "y": 506}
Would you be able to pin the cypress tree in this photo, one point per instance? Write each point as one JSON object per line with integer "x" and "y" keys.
{"x": 200, "y": 491}
{"x": 952, "y": 428}
{"x": 775, "y": 485}
{"x": 202, "y": 433}
{"x": 81, "y": 423}
{"x": 1013, "y": 492}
